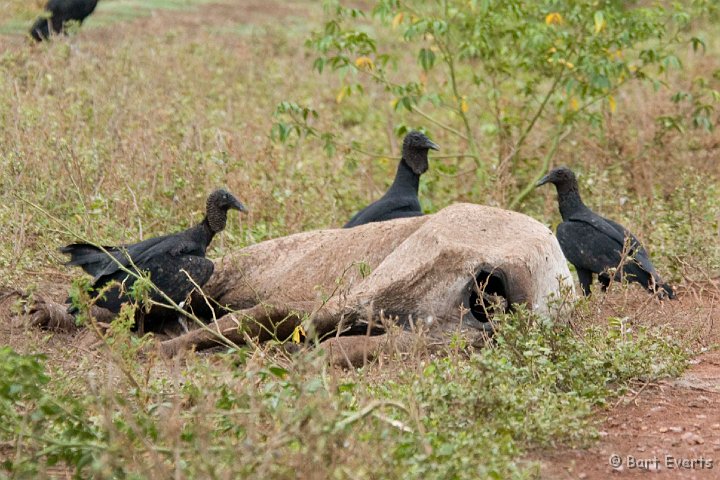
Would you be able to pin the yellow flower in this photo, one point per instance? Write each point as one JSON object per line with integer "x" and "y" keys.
{"x": 613, "y": 105}
{"x": 553, "y": 18}
{"x": 562, "y": 61}
{"x": 364, "y": 62}
{"x": 299, "y": 330}
{"x": 398, "y": 19}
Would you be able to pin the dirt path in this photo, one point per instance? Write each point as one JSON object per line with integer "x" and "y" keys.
{"x": 669, "y": 429}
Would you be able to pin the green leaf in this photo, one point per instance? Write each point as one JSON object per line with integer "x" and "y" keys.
{"x": 599, "y": 19}
{"x": 278, "y": 371}
{"x": 697, "y": 43}
{"x": 426, "y": 57}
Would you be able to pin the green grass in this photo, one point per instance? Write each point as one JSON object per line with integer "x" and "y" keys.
{"x": 239, "y": 415}
{"x": 122, "y": 10}
{"x": 108, "y": 12}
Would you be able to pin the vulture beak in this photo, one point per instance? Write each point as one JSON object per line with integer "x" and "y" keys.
{"x": 237, "y": 205}
{"x": 543, "y": 181}
{"x": 432, "y": 145}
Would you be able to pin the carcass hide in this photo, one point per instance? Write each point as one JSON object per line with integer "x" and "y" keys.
{"x": 444, "y": 270}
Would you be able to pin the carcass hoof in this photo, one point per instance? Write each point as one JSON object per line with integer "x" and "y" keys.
{"x": 24, "y": 310}
{"x": 47, "y": 314}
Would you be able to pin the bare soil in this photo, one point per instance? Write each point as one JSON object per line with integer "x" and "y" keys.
{"x": 660, "y": 429}
{"x": 669, "y": 429}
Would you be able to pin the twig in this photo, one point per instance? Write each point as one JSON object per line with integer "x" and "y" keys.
{"x": 546, "y": 163}
{"x": 634, "y": 398}
{"x": 369, "y": 409}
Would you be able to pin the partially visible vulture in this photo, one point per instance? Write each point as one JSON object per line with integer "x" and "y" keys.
{"x": 163, "y": 258}
{"x": 594, "y": 244}
{"x": 401, "y": 200}
{"x": 59, "y": 12}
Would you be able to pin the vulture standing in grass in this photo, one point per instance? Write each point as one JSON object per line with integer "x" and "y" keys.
{"x": 162, "y": 257}
{"x": 59, "y": 13}
{"x": 401, "y": 200}
{"x": 594, "y": 244}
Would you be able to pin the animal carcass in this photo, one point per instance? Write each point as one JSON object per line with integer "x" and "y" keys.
{"x": 447, "y": 270}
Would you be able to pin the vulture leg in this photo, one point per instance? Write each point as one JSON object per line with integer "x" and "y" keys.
{"x": 585, "y": 277}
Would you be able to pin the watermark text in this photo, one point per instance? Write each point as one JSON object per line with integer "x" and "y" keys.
{"x": 667, "y": 461}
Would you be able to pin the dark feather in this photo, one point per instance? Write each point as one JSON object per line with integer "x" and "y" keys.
{"x": 401, "y": 200}
{"x": 168, "y": 260}
{"x": 61, "y": 12}
{"x": 594, "y": 244}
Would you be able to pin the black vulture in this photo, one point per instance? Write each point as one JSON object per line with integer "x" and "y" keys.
{"x": 163, "y": 257}
{"x": 594, "y": 244}
{"x": 61, "y": 12}
{"x": 401, "y": 200}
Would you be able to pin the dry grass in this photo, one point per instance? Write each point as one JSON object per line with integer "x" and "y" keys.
{"x": 121, "y": 131}
{"x": 138, "y": 133}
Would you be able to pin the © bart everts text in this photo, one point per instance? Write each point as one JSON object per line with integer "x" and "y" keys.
{"x": 668, "y": 461}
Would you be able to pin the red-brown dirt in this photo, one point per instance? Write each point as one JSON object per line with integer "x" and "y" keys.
{"x": 669, "y": 429}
